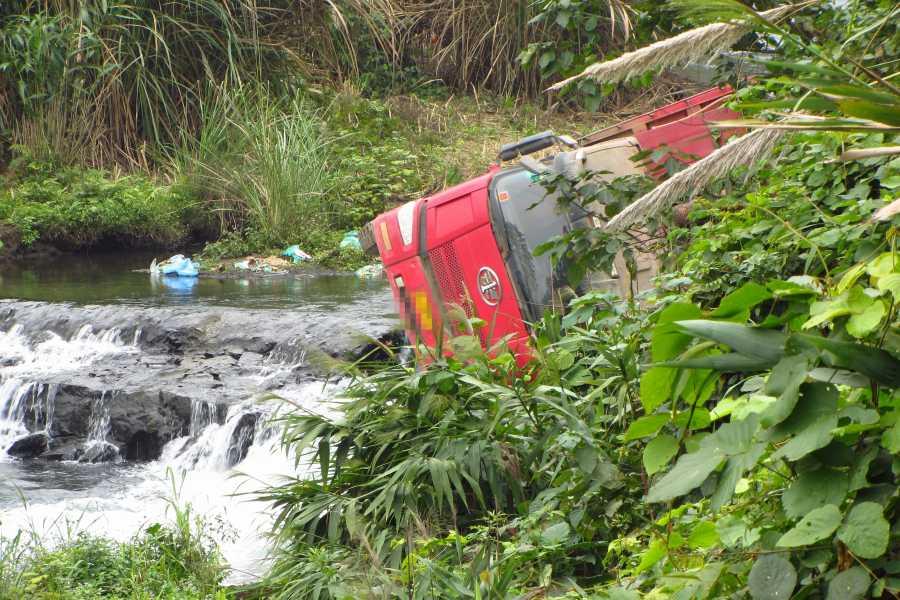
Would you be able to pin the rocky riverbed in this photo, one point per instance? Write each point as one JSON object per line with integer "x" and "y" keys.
{"x": 105, "y": 382}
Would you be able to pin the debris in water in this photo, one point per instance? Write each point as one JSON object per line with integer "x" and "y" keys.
{"x": 371, "y": 271}
{"x": 177, "y": 265}
{"x": 253, "y": 264}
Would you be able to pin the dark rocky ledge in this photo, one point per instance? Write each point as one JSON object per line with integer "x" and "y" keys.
{"x": 216, "y": 356}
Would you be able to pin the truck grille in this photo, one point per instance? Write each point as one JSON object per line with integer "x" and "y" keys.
{"x": 453, "y": 285}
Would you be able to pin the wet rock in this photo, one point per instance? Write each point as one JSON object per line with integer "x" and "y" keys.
{"x": 241, "y": 439}
{"x": 68, "y": 451}
{"x": 143, "y": 447}
{"x": 183, "y": 356}
{"x": 29, "y": 446}
{"x": 12, "y": 361}
{"x": 99, "y": 452}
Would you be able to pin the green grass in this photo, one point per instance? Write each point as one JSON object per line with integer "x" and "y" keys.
{"x": 265, "y": 173}
{"x": 177, "y": 559}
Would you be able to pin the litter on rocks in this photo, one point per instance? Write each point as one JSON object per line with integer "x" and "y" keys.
{"x": 351, "y": 240}
{"x": 371, "y": 271}
{"x": 257, "y": 266}
{"x": 177, "y": 265}
{"x": 274, "y": 261}
{"x": 295, "y": 253}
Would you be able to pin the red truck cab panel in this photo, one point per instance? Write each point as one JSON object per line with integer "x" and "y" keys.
{"x": 397, "y": 234}
{"x": 469, "y": 271}
{"x": 470, "y": 247}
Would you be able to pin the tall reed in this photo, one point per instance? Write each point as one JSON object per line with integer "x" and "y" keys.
{"x": 265, "y": 157}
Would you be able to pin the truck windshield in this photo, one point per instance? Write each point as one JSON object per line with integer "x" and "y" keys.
{"x": 520, "y": 231}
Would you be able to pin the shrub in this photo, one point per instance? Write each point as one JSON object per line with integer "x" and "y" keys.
{"x": 77, "y": 208}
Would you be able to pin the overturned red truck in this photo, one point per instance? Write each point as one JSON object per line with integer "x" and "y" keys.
{"x": 470, "y": 246}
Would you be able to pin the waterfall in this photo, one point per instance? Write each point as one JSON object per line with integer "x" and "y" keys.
{"x": 214, "y": 446}
{"x": 203, "y": 414}
{"x": 97, "y": 448}
{"x": 26, "y": 406}
{"x": 20, "y": 400}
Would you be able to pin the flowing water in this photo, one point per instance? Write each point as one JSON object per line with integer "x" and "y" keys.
{"x": 204, "y": 464}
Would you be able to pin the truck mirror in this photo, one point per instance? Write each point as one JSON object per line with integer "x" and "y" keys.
{"x": 532, "y": 166}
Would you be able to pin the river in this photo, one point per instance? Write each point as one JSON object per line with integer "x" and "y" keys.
{"x": 91, "y": 351}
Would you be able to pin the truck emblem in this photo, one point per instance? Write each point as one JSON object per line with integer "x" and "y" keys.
{"x": 489, "y": 285}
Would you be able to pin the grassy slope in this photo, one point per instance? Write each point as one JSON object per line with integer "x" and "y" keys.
{"x": 384, "y": 152}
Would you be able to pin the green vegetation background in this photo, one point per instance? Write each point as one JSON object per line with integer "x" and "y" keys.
{"x": 731, "y": 433}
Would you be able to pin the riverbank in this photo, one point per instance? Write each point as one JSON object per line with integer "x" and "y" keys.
{"x": 374, "y": 154}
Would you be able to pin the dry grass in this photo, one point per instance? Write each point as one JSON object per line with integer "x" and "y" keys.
{"x": 472, "y": 128}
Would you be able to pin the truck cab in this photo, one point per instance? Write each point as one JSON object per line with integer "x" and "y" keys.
{"x": 468, "y": 250}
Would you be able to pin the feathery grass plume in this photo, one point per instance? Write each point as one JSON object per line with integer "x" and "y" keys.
{"x": 686, "y": 47}
{"x": 863, "y": 153}
{"x": 750, "y": 148}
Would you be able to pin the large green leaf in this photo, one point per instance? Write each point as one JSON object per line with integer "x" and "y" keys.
{"x": 698, "y": 420}
{"x": 865, "y": 530}
{"x": 772, "y": 578}
{"x": 813, "y": 103}
{"x": 858, "y": 92}
{"x": 861, "y": 109}
{"x": 764, "y": 344}
{"x": 732, "y": 473}
{"x": 815, "y": 526}
{"x": 818, "y": 435}
{"x": 730, "y": 529}
{"x": 668, "y": 339}
{"x": 703, "y": 535}
{"x": 860, "y": 470}
{"x": 859, "y": 326}
{"x": 799, "y": 66}
{"x": 784, "y": 383}
{"x": 890, "y": 439}
{"x": 850, "y": 584}
{"x": 814, "y": 489}
{"x": 689, "y": 472}
{"x": 891, "y": 283}
{"x": 725, "y": 363}
{"x": 654, "y": 554}
{"x": 656, "y": 384}
{"x": 840, "y": 377}
{"x": 814, "y": 123}
{"x": 815, "y": 401}
{"x": 659, "y": 451}
{"x": 555, "y": 534}
{"x": 646, "y": 426}
{"x": 732, "y": 439}
{"x": 874, "y": 363}
{"x": 747, "y": 296}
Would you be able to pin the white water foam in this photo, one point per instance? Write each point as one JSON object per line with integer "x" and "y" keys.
{"x": 28, "y": 359}
{"x": 203, "y": 468}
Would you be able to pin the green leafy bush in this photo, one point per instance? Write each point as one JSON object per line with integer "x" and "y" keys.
{"x": 76, "y": 208}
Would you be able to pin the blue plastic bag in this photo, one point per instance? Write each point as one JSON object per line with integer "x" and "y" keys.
{"x": 351, "y": 240}
{"x": 181, "y": 266}
{"x": 173, "y": 264}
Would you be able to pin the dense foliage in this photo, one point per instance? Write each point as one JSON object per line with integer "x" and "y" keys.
{"x": 731, "y": 433}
